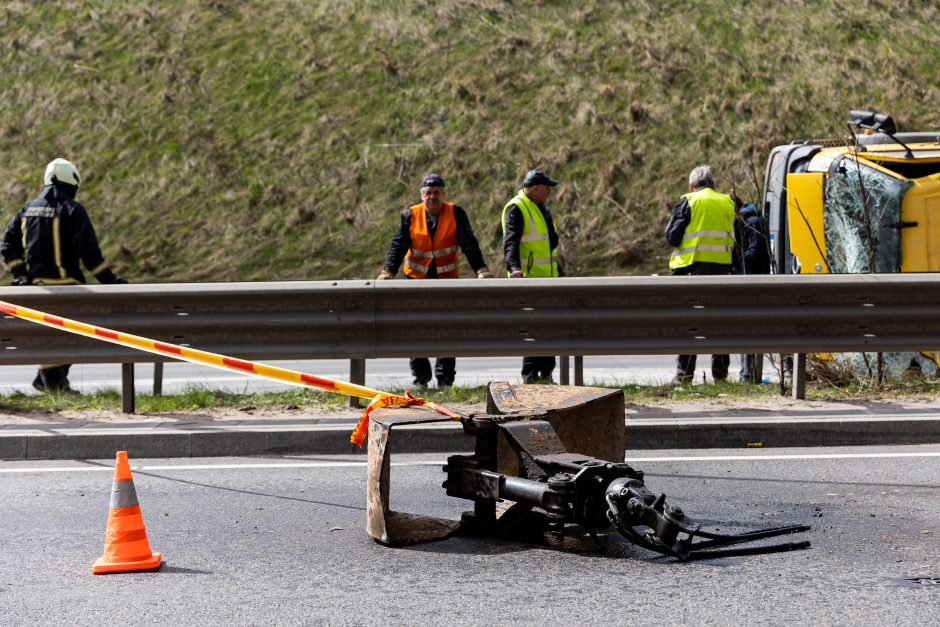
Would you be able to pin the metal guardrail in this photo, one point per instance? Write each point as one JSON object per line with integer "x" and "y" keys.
{"x": 360, "y": 320}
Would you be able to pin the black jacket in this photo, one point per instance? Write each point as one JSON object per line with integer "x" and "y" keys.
{"x": 515, "y": 227}
{"x": 401, "y": 242}
{"x": 751, "y": 253}
{"x": 57, "y": 234}
{"x": 678, "y": 221}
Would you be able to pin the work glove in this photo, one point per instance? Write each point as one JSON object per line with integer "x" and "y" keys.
{"x": 517, "y": 274}
{"x": 21, "y": 279}
{"x": 385, "y": 275}
{"x": 483, "y": 273}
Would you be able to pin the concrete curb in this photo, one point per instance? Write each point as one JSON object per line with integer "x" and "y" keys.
{"x": 215, "y": 440}
{"x": 780, "y": 434}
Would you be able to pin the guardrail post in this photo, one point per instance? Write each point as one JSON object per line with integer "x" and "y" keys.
{"x": 357, "y": 375}
{"x": 158, "y": 378}
{"x": 799, "y": 376}
{"x": 579, "y": 369}
{"x": 127, "y": 388}
{"x": 563, "y": 372}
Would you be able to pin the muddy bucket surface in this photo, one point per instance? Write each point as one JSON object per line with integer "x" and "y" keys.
{"x": 588, "y": 420}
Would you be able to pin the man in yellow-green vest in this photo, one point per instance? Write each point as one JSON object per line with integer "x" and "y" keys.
{"x": 530, "y": 244}
{"x": 701, "y": 229}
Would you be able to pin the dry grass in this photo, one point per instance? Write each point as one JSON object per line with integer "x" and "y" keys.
{"x": 226, "y": 140}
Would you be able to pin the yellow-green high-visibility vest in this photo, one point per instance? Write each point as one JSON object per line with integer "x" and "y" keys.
{"x": 710, "y": 233}
{"x": 536, "y": 255}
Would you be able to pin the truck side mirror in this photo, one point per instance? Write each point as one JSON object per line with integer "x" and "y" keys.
{"x": 873, "y": 121}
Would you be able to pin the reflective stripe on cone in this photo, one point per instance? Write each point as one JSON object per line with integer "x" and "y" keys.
{"x": 126, "y": 547}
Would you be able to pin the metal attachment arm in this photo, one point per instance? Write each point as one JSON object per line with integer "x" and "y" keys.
{"x": 667, "y": 530}
{"x": 557, "y": 488}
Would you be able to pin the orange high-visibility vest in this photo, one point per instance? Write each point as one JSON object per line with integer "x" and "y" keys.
{"x": 443, "y": 250}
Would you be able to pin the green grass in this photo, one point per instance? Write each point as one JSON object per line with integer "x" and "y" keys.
{"x": 201, "y": 398}
{"x": 198, "y": 398}
{"x": 192, "y": 399}
{"x": 279, "y": 140}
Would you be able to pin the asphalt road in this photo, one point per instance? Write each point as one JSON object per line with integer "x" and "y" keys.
{"x": 282, "y": 540}
{"x": 380, "y": 373}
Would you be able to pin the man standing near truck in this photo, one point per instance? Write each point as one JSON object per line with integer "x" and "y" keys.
{"x": 701, "y": 229}
{"x": 751, "y": 256}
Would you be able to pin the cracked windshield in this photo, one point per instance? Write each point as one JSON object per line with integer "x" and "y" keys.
{"x": 852, "y": 190}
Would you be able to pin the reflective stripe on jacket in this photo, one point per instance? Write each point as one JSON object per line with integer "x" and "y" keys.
{"x": 48, "y": 239}
{"x": 535, "y": 251}
{"x": 709, "y": 236}
{"x": 442, "y": 250}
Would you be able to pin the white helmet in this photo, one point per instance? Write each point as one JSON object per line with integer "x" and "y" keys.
{"x": 62, "y": 171}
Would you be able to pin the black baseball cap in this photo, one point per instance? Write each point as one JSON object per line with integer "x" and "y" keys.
{"x": 537, "y": 177}
{"x": 432, "y": 180}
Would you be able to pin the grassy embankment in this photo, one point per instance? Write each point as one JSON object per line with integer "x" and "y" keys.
{"x": 278, "y": 140}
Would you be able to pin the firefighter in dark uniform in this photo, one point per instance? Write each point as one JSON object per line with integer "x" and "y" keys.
{"x": 430, "y": 237}
{"x": 44, "y": 243}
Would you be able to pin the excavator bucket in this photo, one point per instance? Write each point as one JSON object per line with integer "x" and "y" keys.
{"x": 383, "y": 524}
{"x": 548, "y": 463}
{"x": 586, "y": 419}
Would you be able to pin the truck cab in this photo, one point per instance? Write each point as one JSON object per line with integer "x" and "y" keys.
{"x": 869, "y": 203}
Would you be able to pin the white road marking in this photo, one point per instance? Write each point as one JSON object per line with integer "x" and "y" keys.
{"x": 215, "y": 466}
{"x": 759, "y": 457}
{"x": 441, "y": 462}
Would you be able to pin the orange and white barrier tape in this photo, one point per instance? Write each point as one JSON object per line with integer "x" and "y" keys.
{"x": 183, "y": 353}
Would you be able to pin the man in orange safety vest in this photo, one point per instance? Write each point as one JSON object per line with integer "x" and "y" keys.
{"x": 430, "y": 237}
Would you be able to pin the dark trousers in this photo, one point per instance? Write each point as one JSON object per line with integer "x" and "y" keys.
{"x": 53, "y": 377}
{"x": 445, "y": 369}
{"x": 535, "y": 369}
{"x": 749, "y": 367}
{"x": 685, "y": 364}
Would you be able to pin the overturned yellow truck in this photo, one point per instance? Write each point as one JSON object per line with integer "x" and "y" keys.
{"x": 867, "y": 203}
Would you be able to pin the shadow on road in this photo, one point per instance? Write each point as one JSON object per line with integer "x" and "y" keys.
{"x": 615, "y": 547}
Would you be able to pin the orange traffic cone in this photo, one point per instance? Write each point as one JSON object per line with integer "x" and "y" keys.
{"x": 125, "y": 540}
